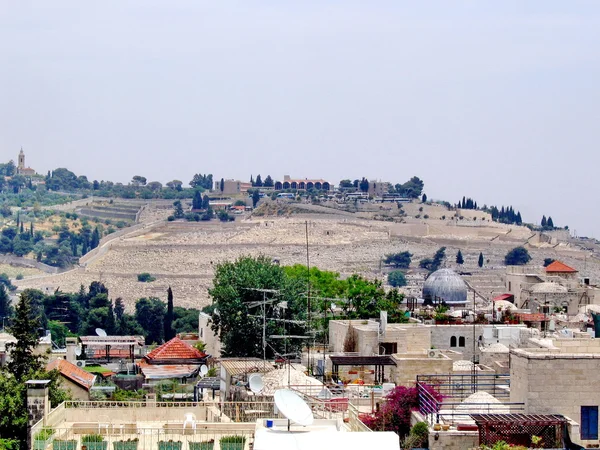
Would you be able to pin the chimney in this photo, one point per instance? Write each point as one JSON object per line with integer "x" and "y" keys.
{"x": 71, "y": 344}
{"x": 38, "y": 404}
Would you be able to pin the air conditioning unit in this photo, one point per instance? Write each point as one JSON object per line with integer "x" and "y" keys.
{"x": 80, "y": 363}
{"x": 434, "y": 353}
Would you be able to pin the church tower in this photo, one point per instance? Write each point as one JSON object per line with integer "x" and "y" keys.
{"x": 21, "y": 165}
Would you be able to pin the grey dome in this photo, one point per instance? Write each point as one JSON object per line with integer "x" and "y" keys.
{"x": 446, "y": 285}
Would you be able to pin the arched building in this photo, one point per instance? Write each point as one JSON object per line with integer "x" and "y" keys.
{"x": 303, "y": 184}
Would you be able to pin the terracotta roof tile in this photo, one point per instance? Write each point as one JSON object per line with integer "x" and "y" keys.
{"x": 558, "y": 267}
{"x": 72, "y": 372}
{"x": 175, "y": 349}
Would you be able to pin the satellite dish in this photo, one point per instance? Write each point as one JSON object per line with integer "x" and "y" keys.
{"x": 256, "y": 383}
{"x": 293, "y": 407}
{"x": 101, "y": 332}
{"x": 78, "y": 351}
{"x": 203, "y": 370}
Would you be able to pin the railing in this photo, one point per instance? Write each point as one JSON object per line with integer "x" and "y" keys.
{"x": 251, "y": 411}
{"x": 354, "y": 420}
{"x": 130, "y": 404}
{"x": 176, "y": 437}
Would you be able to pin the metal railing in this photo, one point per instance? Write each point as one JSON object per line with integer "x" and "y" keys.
{"x": 354, "y": 420}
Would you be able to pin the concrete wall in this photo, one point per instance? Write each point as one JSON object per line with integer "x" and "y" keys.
{"x": 77, "y": 392}
{"x": 550, "y": 382}
{"x": 453, "y": 440}
{"x": 206, "y": 335}
{"x": 441, "y": 334}
{"x": 408, "y": 366}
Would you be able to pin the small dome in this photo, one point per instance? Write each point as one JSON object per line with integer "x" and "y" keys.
{"x": 446, "y": 285}
{"x": 548, "y": 288}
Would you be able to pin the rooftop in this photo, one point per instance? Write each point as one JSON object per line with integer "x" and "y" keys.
{"x": 558, "y": 267}
{"x": 175, "y": 350}
{"x": 72, "y": 372}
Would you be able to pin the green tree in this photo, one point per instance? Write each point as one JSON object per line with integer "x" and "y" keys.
{"x": 346, "y": 184}
{"x": 150, "y": 314}
{"x": 268, "y": 182}
{"x": 364, "y": 185}
{"x": 205, "y": 202}
{"x": 178, "y": 209}
{"x": 396, "y": 278}
{"x": 95, "y": 239}
{"x": 237, "y": 300}
{"x": 424, "y": 198}
{"x": 258, "y": 182}
{"x": 6, "y": 309}
{"x": 255, "y": 197}
{"x": 544, "y": 222}
{"x": 480, "y": 260}
{"x": 550, "y": 223}
{"x": 548, "y": 261}
{"x": 433, "y": 264}
{"x": 518, "y": 256}
{"x": 222, "y": 185}
{"x": 197, "y": 200}
{"x": 399, "y": 260}
{"x": 459, "y": 258}
{"x": 138, "y": 180}
{"x": 24, "y": 328}
{"x": 169, "y": 316}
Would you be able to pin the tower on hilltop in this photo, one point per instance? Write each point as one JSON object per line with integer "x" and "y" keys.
{"x": 21, "y": 165}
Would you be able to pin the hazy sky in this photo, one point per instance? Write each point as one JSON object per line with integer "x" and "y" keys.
{"x": 497, "y": 100}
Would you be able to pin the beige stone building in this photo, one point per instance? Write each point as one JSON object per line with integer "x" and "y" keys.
{"x": 563, "y": 380}
{"x": 72, "y": 378}
{"x": 232, "y": 187}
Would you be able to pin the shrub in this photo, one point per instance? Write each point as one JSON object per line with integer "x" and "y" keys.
{"x": 92, "y": 438}
{"x": 145, "y": 278}
{"x": 19, "y": 276}
{"x": 233, "y": 439}
{"x": 44, "y": 434}
{"x": 396, "y": 278}
{"x": 171, "y": 218}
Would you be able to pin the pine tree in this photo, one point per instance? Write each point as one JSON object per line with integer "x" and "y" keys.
{"x": 169, "y": 316}
{"x": 24, "y": 328}
{"x": 258, "y": 182}
{"x": 543, "y": 221}
{"x": 459, "y": 258}
{"x": 480, "y": 261}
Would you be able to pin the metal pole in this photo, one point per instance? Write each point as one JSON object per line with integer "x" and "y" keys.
{"x": 308, "y": 297}
{"x": 264, "y": 327}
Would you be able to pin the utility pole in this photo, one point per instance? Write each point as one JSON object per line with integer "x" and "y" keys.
{"x": 308, "y": 297}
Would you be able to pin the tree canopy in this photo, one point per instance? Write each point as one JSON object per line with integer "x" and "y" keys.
{"x": 518, "y": 256}
{"x": 396, "y": 278}
{"x": 399, "y": 260}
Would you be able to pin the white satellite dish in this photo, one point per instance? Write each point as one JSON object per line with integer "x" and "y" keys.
{"x": 78, "y": 351}
{"x": 101, "y": 332}
{"x": 256, "y": 383}
{"x": 203, "y": 370}
{"x": 293, "y": 407}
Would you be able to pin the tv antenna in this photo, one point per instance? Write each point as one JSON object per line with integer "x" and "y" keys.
{"x": 264, "y": 302}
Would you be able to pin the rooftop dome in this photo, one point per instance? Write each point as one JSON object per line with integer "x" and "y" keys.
{"x": 548, "y": 288}
{"x": 446, "y": 285}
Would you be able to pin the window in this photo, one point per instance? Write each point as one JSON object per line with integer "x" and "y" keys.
{"x": 509, "y": 286}
{"x": 589, "y": 422}
{"x": 388, "y": 348}
{"x": 461, "y": 341}
{"x": 453, "y": 341}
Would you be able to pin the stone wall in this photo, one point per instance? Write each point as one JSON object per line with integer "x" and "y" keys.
{"x": 408, "y": 366}
{"x": 441, "y": 334}
{"x": 549, "y": 382}
{"x": 206, "y": 335}
{"x": 453, "y": 440}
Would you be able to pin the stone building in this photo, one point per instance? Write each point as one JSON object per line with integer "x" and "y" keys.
{"x": 445, "y": 285}
{"x": 378, "y": 188}
{"x": 21, "y": 168}
{"x": 563, "y": 380}
{"x": 72, "y": 378}
{"x": 555, "y": 286}
{"x": 303, "y": 184}
{"x": 232, "y": 187}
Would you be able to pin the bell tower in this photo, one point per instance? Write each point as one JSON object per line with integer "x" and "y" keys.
{"x": 21, "y": 165}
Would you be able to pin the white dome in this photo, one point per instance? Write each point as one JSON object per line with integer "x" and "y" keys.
{"x": 446, "y": 285}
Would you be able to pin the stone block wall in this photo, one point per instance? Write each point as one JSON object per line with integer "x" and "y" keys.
{"x": 453, "y": 440}
{"x": 441, "y": 334}
{"x": 409, "y": 366}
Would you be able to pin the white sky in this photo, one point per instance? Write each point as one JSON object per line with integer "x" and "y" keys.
{"x": 497, "y": 100}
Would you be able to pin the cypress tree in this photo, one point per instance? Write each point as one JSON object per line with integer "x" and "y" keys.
{"x": 464, "y": 203}
{"x": 550, "y": 223}
{"x": 5, "y": 308}
{"x": 169, "y": 316}
{"x": 459, "y": 258}
{"x": 22, "y": 230}
{"x": 480, "y": 261}
{"x": 197, "y": 200}
{"x": 31, "y": 229}
{"x": 95, "y": 241}
{"x": 543, "y": 221}
{"x": 222, "y": 185}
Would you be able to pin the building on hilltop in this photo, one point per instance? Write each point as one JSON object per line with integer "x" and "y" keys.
{"x": 232, "y": 187}
{"x": 21, "y": 168}
{"x": 302, "y": 184}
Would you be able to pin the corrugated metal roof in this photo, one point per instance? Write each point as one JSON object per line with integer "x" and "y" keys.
{"x": 246, "y": 365}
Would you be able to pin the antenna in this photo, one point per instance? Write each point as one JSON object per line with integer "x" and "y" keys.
{"x": 256, "y": 383}
{"x": 203, "y": 370}
{"x": 101, "y": 332}
{"x": 293, "y": 407}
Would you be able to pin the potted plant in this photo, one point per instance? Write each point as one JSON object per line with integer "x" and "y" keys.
{"x": 203, "y": 445}
{"x": 68, "y": 444}
{"x": 94, "y": 442}
{"x": 232, "y": 442}
{"x": 169, "y": 445}
{"x": 129, "y": 444}
{"x": 42, "y": 438}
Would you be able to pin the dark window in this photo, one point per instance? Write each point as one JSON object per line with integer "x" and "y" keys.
{"x": 388, "y": 348}
{"x": 461, "y": 341}
{"x": 589, "y": 422}
{"x": 453, "y": 341}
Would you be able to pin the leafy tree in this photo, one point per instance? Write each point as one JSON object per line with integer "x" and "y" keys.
{"x": 175, "y": 184}
{"x": 346, "y": 184}
{"x": 399, "y": 260}
{"x": 255, "y": 197}
{"x": 268, "y": 182}
{"x": 150, "y": 313}
{"x": 518, "y": 256}
{"x": 178, "y": 209}
{"x": 235, "y": 287}
{"x": 204, "y": 181}
{"x": 138, "y": 180}
{"x": 24, "y": 328}
{"x": 434, "y": 264}
{"x": 480, "y": 260}
{"x": 119, "y": 308}
{"x": 396, "y": 278}
{"x": 169, "y": 316}
{"x": 459, "y": 258}
{"x": 186, "y": 320}
{"x": 548, "y": 261}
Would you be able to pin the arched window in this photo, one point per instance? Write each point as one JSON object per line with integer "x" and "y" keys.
{"x": 461, "y": 341}
{"x": 453, "y": 341}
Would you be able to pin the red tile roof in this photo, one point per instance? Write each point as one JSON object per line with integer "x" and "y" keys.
{"x": 503, "y": 297}
{"x": 72, "y": 372}
{"x": 174, "y": 350}
{"x": 558, "y": 267}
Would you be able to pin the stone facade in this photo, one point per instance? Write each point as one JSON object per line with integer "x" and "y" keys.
{"x": 442, "y": 338}
{"x": 453, "y": 440}
{"x": 559, "y": 380}
{"x": 206, "y": 335}
{"x": 38, "y": 404}
{"x": 408, "y": 366}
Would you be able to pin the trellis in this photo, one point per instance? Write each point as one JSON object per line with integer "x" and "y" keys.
{"x": 517, "y": 429}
